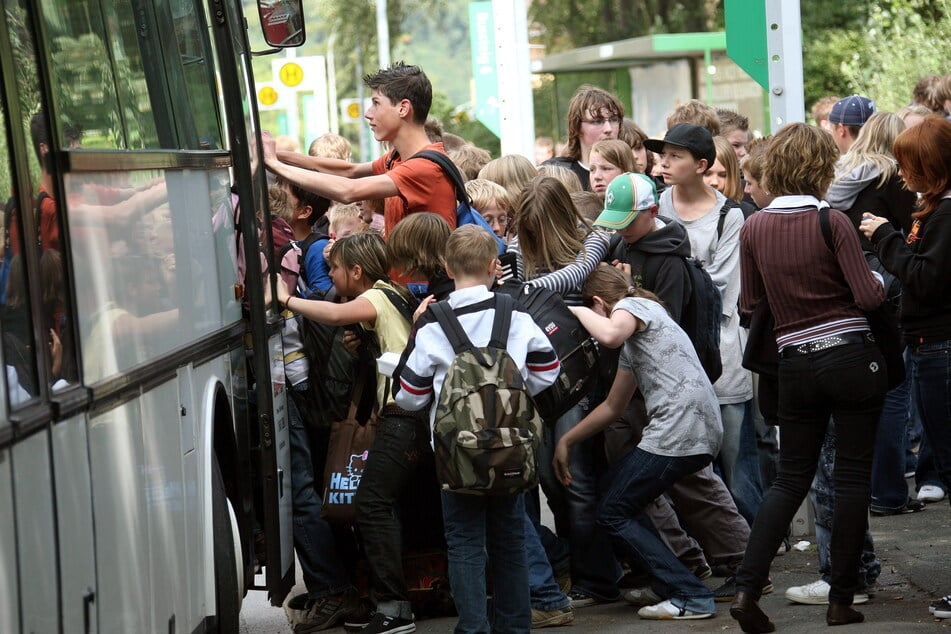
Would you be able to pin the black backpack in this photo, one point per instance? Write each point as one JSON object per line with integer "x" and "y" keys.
{"x": 575, "y": 348}
{"x": 701, "y": 315}
{"x": 702, "y": 312}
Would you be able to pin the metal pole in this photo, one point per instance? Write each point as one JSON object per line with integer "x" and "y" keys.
{"x": 332, "y": 86}
{"x": 362, "y": 125}
{"x": 516, "y": 110}
{"x": 382, "y": 34}
{"x": 784, "y": 55}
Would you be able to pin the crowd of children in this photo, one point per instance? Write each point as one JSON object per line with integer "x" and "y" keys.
{"x": 670, "y": 469}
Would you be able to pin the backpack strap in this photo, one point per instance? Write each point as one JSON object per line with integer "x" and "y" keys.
{"x": 502, "y": 323}
{"x": 450, "y": 170}
{"x": 826, "y": 227}
{"x": 400, "y": 303}
{"x": 450, "y": 325}
{"x": 390, "y": 160}
{"x": 724, "y": 210}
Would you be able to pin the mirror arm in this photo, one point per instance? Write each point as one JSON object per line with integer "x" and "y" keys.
{"x": 269, "y": 51}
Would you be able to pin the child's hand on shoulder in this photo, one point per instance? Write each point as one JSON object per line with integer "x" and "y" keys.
{"x": 423, "y": 305}
{"x": 330, "y": 244}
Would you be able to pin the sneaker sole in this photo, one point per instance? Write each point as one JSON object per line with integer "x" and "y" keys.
{"x": 670, "y": 617}
{"x": 942, "y": 614}
{"x": 858, "y": 599}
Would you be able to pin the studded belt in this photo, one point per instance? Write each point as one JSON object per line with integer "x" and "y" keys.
{"x": 825, "y": 343}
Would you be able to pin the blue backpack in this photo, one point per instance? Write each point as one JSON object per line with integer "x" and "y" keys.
{"x": 466, "y": 214}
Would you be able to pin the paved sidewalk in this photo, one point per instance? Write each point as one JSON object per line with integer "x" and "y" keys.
{"x": 915, "y": 551}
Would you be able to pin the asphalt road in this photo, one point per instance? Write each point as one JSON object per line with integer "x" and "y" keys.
{"x": 915, "y": 551}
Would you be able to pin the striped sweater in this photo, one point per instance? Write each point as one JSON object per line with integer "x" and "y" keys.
{"x": 813, "y": 293}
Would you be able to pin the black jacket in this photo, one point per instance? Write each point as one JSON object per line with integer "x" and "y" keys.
{"x": 924, "y": 268}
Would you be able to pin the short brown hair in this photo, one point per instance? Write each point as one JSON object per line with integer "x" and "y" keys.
{"x": 696, "y": 112}
{"x": 755, "y": 159}
{"x": 821, "y": 109}
{"x": 616, "y": 152}
{"x": 470, "y": 160}
{"x": 801, "y": 161}
{"x": 402, "y": 81}
{"x": 926, "y": 93}
{"x": 469, "y": 250}
{"x": 417, "y": 243}
{"x": 588, "y": 204}
{"x": 731, "y": 120}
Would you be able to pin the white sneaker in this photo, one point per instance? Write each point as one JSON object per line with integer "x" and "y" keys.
{"x": 817, "y": 593}
{"x": 930, "y": 493}
{"x": 665, "y": 610}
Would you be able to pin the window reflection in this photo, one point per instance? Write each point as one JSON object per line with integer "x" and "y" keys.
{"x": 125, "y": 91}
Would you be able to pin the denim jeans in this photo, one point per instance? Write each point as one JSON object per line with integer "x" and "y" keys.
{"x": 324, "y": 574}
{"x": 823, "y": 501}
{"x": 546, "y": 594}
{"x": 480, "y": 526}
{"x": 556, "y": 548}
{"x": 392, "y": 460}
{"x": 594, "y": 571}
{"x": 739, "y": 458}
{"x": 848, "y": 383}
{"x": 636, "y": 480}
{"x": 889, "y": 489}
{"x": 931, "y": 367}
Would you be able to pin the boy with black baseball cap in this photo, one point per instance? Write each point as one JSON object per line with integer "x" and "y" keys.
{"x": 713, "y": 230}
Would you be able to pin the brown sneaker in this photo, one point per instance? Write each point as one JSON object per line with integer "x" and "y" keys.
{"x": 552, "y": 618}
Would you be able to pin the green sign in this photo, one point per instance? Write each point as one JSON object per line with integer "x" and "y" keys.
{"x": 484, "y": 73}
{"x": 746, "y": 37}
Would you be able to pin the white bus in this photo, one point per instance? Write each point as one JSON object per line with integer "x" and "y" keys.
{"x": 143, "y": 439}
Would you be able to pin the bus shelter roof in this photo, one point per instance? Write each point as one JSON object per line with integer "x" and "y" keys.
{"x": 632, "y": 52}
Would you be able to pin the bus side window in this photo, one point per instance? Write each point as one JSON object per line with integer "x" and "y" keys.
{"x": 15, "y": 323}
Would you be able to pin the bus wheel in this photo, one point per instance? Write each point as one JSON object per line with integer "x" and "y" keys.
{"x": 228, "y": 560}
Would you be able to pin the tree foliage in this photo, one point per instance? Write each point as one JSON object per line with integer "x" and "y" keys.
{"x": 565, "y": 24}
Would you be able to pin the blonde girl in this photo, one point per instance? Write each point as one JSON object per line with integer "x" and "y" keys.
{"x": 724, "y": 174}
{"x": 556, "y": 246}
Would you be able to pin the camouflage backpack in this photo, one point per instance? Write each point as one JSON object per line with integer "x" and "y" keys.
{"x": 486, "y": 431}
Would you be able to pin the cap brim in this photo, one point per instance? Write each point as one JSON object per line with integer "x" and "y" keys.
{"x": 610, "y": 219}
{"x": 656, "y": 145}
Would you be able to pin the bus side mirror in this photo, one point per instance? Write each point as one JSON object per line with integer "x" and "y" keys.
{"x": 282, "y": 22}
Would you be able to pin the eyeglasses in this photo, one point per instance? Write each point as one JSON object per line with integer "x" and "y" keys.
{"x": 501, "y": 219}
{"x": 601, "y": 121}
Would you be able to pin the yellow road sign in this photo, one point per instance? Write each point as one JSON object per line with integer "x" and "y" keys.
{"x": 267, "y": 96}
{"x": 353, "y": 110}
{"x": 291, "y": 74}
